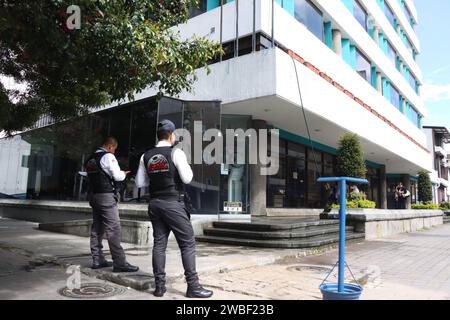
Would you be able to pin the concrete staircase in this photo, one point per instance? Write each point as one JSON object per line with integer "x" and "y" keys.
{"x": 277, "y": 233}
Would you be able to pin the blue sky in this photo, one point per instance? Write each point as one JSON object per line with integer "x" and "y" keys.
{"x": 434, "y": 23}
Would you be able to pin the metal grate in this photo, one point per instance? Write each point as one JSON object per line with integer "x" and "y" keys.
{"x": 92, "y": 291}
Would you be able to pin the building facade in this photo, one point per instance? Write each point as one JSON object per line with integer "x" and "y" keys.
{"x": 344, "y": 66}
{"x": 438, "y": 138}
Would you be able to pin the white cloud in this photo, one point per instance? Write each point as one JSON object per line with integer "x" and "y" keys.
{"x": 440, "y": 70}
{"x": 432, "y": 92}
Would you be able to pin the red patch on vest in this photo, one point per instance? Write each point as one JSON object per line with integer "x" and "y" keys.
{"x": 158, "y": 164}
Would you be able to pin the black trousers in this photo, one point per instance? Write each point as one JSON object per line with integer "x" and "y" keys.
{"x": 167, "y": 216}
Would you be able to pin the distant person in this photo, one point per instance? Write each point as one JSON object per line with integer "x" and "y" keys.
{"x": 165, "y": 170}
{"x": 103, "y": 171}
{"x": 401, "y": 196}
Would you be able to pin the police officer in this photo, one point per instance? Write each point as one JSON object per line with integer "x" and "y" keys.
{"x": 103, "y": 170}
{"x": 164, "y": 170}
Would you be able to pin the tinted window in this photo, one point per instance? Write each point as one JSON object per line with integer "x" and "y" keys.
{"x": 310, "y": 16}
{"x": 360, "y": 14}
{"x": 392, "y": 55}
{"x": 363, "y": 66}
{"x": 395, "y": 97}
{"x": 389, "y": 15}
{"x": 412, "y": 81}
{"x": 409, "y": 45}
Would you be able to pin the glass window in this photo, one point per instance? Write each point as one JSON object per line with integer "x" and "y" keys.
{"x": 363, "y": 66}
{"x": 408, "y": 15}
{"x": 310, "y": 16}
{"x": 204, "y": 188}
{"x": 296, "y": 176}
{"x": 412, "y": 81}
{"x": 390, "y": 15}
{"x": 409, "y": 45}
{"x": 315, "y": 191}
{"x": 234, "y": 178}
{"x": 276, "y": 184}
{"x": 414, "y": 117}
{"x": 143, "y": 131}
{"x": 360, "y": 14}
{"x": 395, "y": 97}
{"x": 392, "y": 55}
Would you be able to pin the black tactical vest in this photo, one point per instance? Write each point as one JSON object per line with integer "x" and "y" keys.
{"x": 165, "y": 181}
{"x": 99, "y": 180}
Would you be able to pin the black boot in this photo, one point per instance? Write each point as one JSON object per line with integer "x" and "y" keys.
{"x": 198, "y": 292}
{"x": 159, "y": 291}
{"x": 101, "y": 265}
{"x": 126, "y": 268}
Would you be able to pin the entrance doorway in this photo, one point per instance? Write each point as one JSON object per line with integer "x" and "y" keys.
{"x": 234, "y": 178}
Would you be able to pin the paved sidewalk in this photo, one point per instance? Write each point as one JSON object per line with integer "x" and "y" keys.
{"x": 403, "y": 267}
{"x": 408, "y": 266}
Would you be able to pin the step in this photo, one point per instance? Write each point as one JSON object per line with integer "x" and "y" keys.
{"x": 273, "y": 226}
{"x": 282, "y": 243}
{"x": 266, "y": 235}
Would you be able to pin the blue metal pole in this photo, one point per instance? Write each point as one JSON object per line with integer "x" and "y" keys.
{"x": 342, "y": 213}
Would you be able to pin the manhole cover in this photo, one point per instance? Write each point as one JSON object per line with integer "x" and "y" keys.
{"x": 92, "y": 291}
{"x": 309, "y": 268}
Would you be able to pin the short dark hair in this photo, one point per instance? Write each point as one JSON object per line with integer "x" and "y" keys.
{"x": 163, "y": 135}
{"x": 110, "y": 141}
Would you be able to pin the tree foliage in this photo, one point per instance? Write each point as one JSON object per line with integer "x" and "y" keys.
{"x": 425, "y": 189}
{"x": 350, "y": 157}
{"x": 122, "y": 47}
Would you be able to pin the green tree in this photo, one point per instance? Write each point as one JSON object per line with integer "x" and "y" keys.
{"x": 350, "y": 157}
{"x": 121, "y": 48}
{"x": 425, "y": 188}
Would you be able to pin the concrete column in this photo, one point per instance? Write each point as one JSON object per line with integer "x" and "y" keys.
{"x": 376, "y": 31}
{"x": 404, "y": 106}
{"x": 407, "y": 184}
{"x": 379, "y": 83}
{"x": 401, "y": 67}
{"x": 258, "y": 182}
{"x": 383, "y": 188}
{"x": 337, "y": 42}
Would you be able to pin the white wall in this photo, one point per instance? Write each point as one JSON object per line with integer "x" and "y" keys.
{"x": 13, "y": 177}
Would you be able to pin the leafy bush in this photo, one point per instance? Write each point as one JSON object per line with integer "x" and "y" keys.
{"x": 425, "y": 207}
{"x": 360, "y": 204}
{"x": 357, "y": 197}
{"x": 367, "y": 204}
{"x": 445, "y": 205}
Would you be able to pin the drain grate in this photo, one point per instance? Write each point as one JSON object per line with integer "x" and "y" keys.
{"x": 92, "y": 291}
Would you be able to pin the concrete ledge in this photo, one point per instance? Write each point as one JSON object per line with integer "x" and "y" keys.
{"x": 55, "y": 212}
{"x": 136, "y": 232}
{"x": 283, "y": 212}
{"x": 378, "y": 224}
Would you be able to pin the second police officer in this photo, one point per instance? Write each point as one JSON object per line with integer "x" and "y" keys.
{"x": 164, "y": 170}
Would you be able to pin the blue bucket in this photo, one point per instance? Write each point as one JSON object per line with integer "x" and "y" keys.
{"x": 351, "y": 292}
